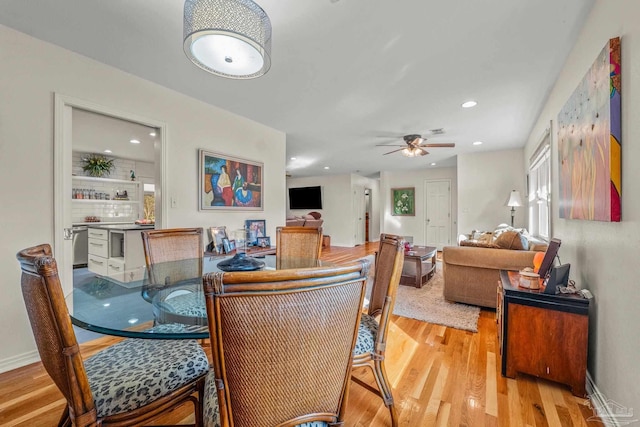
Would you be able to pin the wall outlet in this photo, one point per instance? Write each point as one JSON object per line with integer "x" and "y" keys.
{"x": 174, "y": 202}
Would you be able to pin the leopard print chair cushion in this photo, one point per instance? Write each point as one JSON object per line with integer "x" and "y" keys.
{"x": 136, "y": 372}
{"x": 367, "y": 333}
{"x": 191, "y": 304}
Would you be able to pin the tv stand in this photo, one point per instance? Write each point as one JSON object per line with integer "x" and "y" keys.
{"x": 542, "y": 334}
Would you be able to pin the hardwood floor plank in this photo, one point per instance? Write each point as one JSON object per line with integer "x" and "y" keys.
{"x": 440, "y": 377}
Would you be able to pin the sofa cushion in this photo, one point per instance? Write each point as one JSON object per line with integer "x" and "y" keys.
{"x": 477, "y": 244}
{"x": 512, "y": 239}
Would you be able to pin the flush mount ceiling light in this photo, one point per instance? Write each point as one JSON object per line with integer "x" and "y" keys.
{"x": 229, "y": 38}
{"x": 469, "y": 104}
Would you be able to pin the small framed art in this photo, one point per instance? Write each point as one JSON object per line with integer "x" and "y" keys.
{"x": 217, "y": 236}
{"x": 403, "y": 201}
{"x": 264, "y": 242}
{"x": 255, "y": 228}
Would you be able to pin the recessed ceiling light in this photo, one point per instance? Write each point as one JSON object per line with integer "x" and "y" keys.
{"x": 477, "y": 143}
{"x": 152, "y": 134}
{"x": 469, "y": 104}
{"x": 107, "y": 151}
{"x": 326, "y": 167}
{"x": 293, "y": 158}
{"x": 433, "y": 164}
{"x": 134, "y": 141}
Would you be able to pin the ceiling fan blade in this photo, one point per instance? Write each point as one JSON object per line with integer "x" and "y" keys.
{"x": 422, "y": 151}
{"x": 399, "y": 149}
{"x": 439, "y": 144}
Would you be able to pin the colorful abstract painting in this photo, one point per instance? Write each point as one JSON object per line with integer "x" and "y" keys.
{"x": 229, "y": 183}
{"x": 589, "y": 143}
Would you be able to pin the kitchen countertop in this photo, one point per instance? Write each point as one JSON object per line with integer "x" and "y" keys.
{"x": 123, "y": 227}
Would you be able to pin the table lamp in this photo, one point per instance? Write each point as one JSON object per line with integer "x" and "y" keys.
{"x": 514, "y": 201}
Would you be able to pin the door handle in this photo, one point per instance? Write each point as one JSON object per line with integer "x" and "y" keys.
{"x": 67, "y": 233}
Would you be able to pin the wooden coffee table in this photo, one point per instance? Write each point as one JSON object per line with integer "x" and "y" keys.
{"x": 416, "y": 271}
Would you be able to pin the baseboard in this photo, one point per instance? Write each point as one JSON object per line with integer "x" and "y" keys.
{"x": 19, "y": 361}
{"x": 611, "y": 413}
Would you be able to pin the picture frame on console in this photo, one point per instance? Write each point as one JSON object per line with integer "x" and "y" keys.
{"x": 264, "y": 242}
{"x": 255, "y": 228}
{"x": 218, "y": 234}
{"x": 229, "y": 183}
{"x": 403, "y": 201}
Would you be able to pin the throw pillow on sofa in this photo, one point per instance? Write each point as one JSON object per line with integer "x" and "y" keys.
{"x": 511, "y": 239}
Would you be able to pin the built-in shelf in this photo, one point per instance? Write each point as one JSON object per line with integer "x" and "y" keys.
{"x": 103, "y": 201}
{"x": 96, "y": 179}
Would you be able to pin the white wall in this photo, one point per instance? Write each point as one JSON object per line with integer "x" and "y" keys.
{"x": 415, "y": 225}
{"x": 337, "y": 205}
{"x": 485, "y": 181}
{"x": 32, "y": 71}
{"x": 604, "y": 256}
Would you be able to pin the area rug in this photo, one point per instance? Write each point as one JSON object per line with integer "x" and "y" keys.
{"x": 428, "y": 305}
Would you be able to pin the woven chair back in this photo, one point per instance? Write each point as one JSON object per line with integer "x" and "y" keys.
{"x": 174, "y": 244}
{"x": 298, "y": 247}
{"x": 388, "y": 269}
{"x": 53, "y": 332}
{"x": 282, "y": 342}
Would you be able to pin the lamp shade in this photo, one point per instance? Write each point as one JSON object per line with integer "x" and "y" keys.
{"x": 514, "y": 199}
{"x": 229, "y": 38}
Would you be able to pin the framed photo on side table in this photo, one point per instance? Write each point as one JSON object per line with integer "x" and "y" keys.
{"x": 217, "y": 236}
{"x": 226, "y": 245}
{"x": 264, "y": 242}
{"x": 403, "y": 201}
{"x": 255, "y": 228}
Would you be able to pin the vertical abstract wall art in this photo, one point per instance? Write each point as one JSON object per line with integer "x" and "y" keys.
{"x": 589, "y": 143}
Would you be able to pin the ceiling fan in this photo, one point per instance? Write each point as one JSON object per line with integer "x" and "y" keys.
{"x": 415, "y": 146}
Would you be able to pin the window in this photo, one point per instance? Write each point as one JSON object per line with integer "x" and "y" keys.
{"x": 540, "y": 190}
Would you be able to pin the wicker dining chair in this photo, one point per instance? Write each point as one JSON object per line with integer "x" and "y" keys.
{"x": 374, "y": 325}
{"x": 126, "y": 384}
{"x": 282, "y": 344}
{"x": 298, "y": 247}
{"x": 173, "y": 244}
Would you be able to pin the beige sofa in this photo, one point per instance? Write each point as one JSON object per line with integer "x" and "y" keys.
{"x": 471, "y": 274}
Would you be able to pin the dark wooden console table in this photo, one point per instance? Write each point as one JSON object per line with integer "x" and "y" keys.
{"x": 417, "y": 271}
{"x": 542, "y": 334}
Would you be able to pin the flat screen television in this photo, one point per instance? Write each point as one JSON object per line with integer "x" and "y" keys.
{"x": 305, "y": 198}
{"x": 549, "y": 257}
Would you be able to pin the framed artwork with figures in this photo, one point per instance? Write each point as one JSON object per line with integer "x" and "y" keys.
{"x": 229, "y": 183}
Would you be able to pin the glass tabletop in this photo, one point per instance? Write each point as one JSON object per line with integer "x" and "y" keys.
{"x": 167, "y": 304}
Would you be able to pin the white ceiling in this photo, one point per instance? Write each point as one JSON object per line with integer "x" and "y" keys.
{"x": 346, "y": 74}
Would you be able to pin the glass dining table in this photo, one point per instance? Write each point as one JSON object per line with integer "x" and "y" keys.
{"x": 169, "y": 306}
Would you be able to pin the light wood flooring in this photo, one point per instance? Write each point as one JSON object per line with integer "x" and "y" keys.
{"x": 440, "y": 377}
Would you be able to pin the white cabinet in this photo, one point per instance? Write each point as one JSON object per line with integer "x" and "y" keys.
{"x": 116, "y": 253}
{"x": 89, "y": 199}
{"x": 98, "y": 251}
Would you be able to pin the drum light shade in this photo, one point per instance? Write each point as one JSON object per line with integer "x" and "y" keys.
{"x": 229, "y": 38}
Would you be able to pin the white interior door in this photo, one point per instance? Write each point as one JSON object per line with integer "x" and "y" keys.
{"x": 359, "y": 210}
{"x": 438, "y": 209}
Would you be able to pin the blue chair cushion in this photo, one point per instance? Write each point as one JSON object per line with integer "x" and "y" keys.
{"x": 367, "y": 333}
{"x": 136, "y": 372}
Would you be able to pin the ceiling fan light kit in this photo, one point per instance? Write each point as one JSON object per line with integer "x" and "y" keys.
{"x": 416, "y": 144}
{"x": 228, "y": 38}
